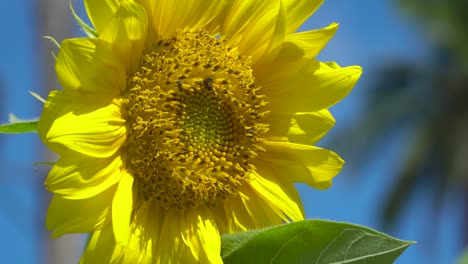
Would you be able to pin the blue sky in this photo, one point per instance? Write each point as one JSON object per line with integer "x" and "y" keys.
{"x": 371, "y": 32}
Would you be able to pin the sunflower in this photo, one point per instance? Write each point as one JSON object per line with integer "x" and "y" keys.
{"x": 181, "y": 120}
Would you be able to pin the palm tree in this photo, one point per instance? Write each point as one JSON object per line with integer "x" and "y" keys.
{"x": 54, "y": 20}
{"x": 429, "y": 101}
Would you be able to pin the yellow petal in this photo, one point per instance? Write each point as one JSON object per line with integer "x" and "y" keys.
{"x": 122, "y": 207}
{"x": 239, "y": 15}
{"x": 252, "y": 25}
{"x": 79, "y": 216}
{"x": 280, "y": 199}
{"x": 82, "y": 123}
{"x": 255, "y": 27}
{"x": 169, "y": 15}
{"x": 309, "y": 128}
{"x": 331, "y": 65}
{"x": 76, "y": 176}
{"x": 303, "y": 163}
{"x": 265, "y": 34}
{"x": 266, "y": 57}
{"x": 260, "y": 211}
{"x": 217, "y": 22}
{"x": 288, "y": 62}
{"x": 279, "y": 33}
{"x": 313, "y": 88}
{"x": 90, "y": 65}
{"x": 266, "y": 171}
{"x": 189, "y": 237}
{"x": 201, "y": 12}
{"x": 279, "y": 124}
{"x": 100, "y": 12}
{"x": 220, "y": 217}
{"x": 238, "y": 218}
{"x": 102, "y": 248}
{"x": 301, "y": 127}
{"x": 309, "y": 43}
{"x": 201, "y": 235}
{"x": 171, "y": 247}
{"x": 127, "y": 30}
{"x": 299, "y": 11}
{"x": 145, "y": 234}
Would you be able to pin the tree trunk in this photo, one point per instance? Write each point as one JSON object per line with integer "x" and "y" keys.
{"x": 55, "y": 20}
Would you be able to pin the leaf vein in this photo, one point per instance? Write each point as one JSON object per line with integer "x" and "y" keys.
{"x": 285, "y": 244}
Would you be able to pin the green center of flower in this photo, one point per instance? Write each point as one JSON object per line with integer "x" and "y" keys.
{"x": 194, "y": 121}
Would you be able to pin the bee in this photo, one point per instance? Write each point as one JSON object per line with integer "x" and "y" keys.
{"x": 179, "y": 85}
{"x": 208, "y": 83}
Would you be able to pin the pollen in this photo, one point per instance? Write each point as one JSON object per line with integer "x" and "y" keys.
{"x": 195, "y": 120}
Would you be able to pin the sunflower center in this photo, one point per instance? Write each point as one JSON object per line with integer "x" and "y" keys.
{"x": 194, "y": 119}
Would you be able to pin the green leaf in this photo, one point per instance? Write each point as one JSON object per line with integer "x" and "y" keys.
{"x": 463, "y": 259}
{"x": 18, "y": 126}
{"x": 312, "y": 241}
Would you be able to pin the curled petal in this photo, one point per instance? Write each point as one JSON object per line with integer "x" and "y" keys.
{"x": 90, "y": 65}
{"x": 100, "y": 12}
{"x": 84, "y": 124}
{"x": 314, "y": 87}
{"x": 303, "y": 163}
{"x": 283, "y": 201}
{"x": 127, "y": 31}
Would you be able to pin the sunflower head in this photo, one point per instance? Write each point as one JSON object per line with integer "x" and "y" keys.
{"x": 194, "y": 121}
{"x": 182, "y": 120}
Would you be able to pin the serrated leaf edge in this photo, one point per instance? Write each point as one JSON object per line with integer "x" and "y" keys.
{"x": 372, "y": 255}
{"x": 326, "y": 223}
{"x": 381, "y": 235}
{"x": 255, "y": 232}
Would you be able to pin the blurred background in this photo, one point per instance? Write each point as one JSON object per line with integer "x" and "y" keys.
{"x": 403, "y": 130}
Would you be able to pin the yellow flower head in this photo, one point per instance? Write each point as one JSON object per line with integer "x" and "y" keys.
{"x": 185, "y": 119}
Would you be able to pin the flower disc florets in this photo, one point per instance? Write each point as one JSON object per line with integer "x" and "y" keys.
{"x": 194, "y": 119}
